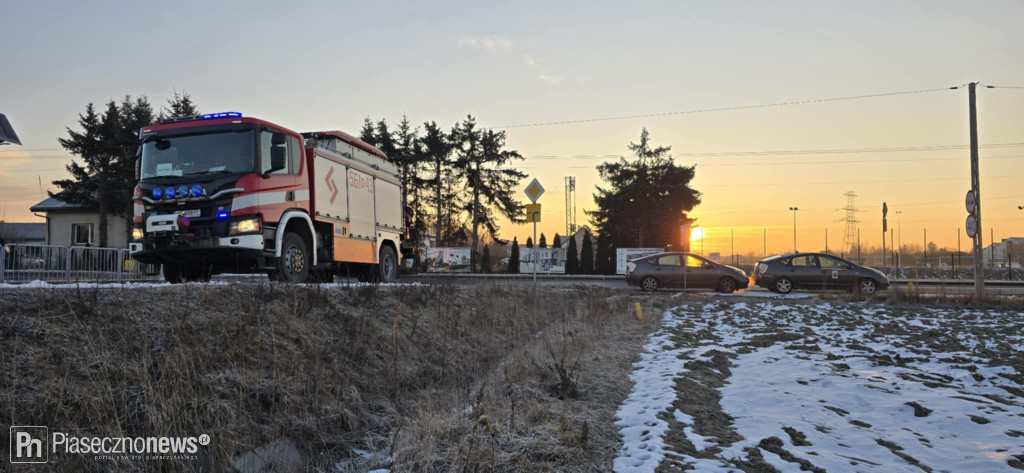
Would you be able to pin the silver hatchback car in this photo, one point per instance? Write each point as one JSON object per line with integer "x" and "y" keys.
{"x": 784, "y": 273}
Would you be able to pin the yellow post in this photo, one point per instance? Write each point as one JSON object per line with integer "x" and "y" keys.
{"x": 910, "y": 288}
{"x": 639, "y": 312}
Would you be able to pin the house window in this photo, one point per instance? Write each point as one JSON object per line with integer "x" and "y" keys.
{"x": 81, "y": 233}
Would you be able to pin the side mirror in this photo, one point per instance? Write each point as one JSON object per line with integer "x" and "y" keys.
{"x": 277, "y": 158}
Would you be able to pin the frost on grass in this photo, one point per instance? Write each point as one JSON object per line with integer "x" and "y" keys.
{"x": 827, "y": 386}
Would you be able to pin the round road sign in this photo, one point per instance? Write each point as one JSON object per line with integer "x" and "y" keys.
{"x": 970, "y": 202}
{"x": 972, "y": 226}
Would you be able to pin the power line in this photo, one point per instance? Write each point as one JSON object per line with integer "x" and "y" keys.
{"x": 900, "y": 149}
{"x": 723, "y": 109}
{"x": 800, "y": 163}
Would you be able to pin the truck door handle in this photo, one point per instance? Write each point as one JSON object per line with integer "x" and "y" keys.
{"x": 290, "y": 196}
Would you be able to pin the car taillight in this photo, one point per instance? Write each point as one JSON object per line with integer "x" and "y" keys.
{"x": 630, "y": 267}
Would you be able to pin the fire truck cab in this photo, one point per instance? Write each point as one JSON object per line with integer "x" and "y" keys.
{"x": 224, "y": 193}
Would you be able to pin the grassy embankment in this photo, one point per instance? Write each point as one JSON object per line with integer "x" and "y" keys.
{"x": 431, "y": 378}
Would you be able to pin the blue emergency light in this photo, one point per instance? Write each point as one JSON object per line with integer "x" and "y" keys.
{"x": 197, "y": 190}
{"x": 157, "y": 192}
{"x": 169, "y": 192}
{"x": 211, "y": 116}
{"x": 222, "y": 214}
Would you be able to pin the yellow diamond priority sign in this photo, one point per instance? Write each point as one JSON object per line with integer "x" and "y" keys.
{"x": 534, "y": 190}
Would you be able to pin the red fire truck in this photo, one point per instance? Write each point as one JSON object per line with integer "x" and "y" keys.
{"x": 224, "y": 193}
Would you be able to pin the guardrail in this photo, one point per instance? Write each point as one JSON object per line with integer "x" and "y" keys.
{"x": 66, "y": 264}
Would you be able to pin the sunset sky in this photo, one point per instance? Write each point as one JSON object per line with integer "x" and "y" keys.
{"x": 327, "y": 66}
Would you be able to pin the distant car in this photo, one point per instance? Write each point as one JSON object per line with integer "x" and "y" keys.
{"x": 817, "y": 271}
{"x": 667, "y": 270}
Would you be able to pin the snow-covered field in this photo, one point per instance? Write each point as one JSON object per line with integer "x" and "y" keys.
{"x": 789, "y": 385}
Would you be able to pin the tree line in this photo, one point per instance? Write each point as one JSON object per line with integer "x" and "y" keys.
{"x": 108, "y": 143}
{"x": 456, "y": 182}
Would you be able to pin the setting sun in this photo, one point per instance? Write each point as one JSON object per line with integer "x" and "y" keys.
{"x": 696, "y": 234}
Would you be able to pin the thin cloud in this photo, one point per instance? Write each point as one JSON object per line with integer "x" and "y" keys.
{"x": 549, "y": 78}
{"x": 490, "y": 44}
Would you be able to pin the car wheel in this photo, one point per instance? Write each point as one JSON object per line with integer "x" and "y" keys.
{"x": 867, "y": 286}
{"x": 649, "y": 284}
{"x": 293, "y": 265}
{"x": 727, "y": 285}
{"x": 783, "y": 285}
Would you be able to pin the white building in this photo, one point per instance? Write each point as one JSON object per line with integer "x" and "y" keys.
{"x": 996, "y": 255}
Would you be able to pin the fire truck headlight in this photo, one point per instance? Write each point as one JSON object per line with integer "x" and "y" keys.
{"x": 246, "y": 225}
{"x": 137, "y": 233}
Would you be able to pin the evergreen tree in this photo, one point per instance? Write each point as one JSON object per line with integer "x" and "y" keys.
{"x": 513, "y": 259}
{"x": 483, "y": 165}
{"x": 107, "y": 145}
{"x": 529, "y": 242}
{"x": 587, "y": 255}
{"x": 613, "y": 261}
{"x": 436, "y": 150}
{"x": 557, "y": 242}
{"x": 647, "y": 198}
{"x": 485, "y": 261}
{"x": 384, "y": 140}
{"x": 601, "y": 258}
{"x": 572, "y": 260}
{"x": 543, "y": 241}
{"x": 179, "y": 105}
{"x": 369, "y": 132}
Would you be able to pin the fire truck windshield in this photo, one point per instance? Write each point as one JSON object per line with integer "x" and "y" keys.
{"x": 207, "y": 153}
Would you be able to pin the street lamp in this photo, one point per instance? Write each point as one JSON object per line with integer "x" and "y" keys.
{"x": 794, "y": 209}
{"x": 899, "y": 239}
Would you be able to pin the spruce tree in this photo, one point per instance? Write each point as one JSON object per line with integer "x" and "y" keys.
{"x": 572, "y": 260}
{"x": 369, "y": 132}
{"x": 179, "y": 105}
{"x": 601, "y": 257}
{"x": 587, "y": 255}
{"x": 543, "y": 241}
{"x": 513, "y": 259}
{"x": 529, "y": 242}
{"x": 613, "y": 261}
{"x": 485, "y": 260}
{"x": 647, "y": 198}
{"x": 557, "y": 242}
{"x": 107, "y": 145}
{"x": 484, "y": 167}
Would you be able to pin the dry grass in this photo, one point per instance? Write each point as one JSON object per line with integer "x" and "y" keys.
{"x": 440, "y": 378}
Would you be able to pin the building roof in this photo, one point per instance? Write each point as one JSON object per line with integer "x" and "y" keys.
{"x": 54, "y": 204}
{"x": 18, "y": 231}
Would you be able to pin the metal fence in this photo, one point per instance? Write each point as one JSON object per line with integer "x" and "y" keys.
{"x": 63, "y": 264}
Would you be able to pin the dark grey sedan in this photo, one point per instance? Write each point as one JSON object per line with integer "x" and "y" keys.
{"x": 784, "y": 273}
{"x": 668, "y": 270}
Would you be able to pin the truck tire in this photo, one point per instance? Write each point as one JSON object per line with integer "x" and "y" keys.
{"x": 173, "y": 273}
{"x": 293, "y": 265}
{"x": 387, "y": 265}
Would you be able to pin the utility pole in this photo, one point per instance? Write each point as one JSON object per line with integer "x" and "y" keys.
{"x": 794, "y": 209}
{"x": 765, "y": 242}
{"x": 732, "y": 244}
{"x": 979, "y": 265}
{"x": 826, "y": 240}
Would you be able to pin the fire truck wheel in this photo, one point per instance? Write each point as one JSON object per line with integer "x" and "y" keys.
{"x": 293, "y": 265}
{"x": 387, "y": 268}
{"x": 173, "y": 273}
